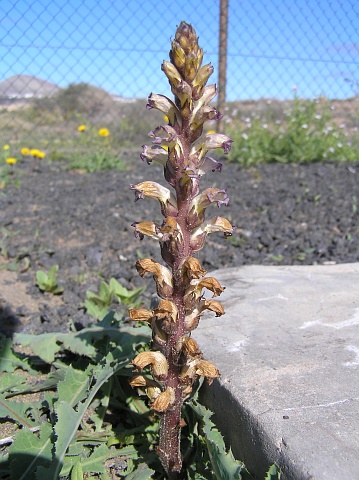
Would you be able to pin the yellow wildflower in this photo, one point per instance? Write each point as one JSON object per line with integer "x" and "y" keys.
{"x": 165, "y": 118}
{"x": 25, "y": 151}
{"x": 211, "y": 132}
{"x": 81, "y": 128}
{"x": 104, "y": 132}
{"x": 11, "y": 161}
{"x": 37, "y": 153}
{"x": 6, "y": 147}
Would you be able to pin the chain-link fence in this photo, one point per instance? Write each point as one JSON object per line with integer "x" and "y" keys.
{"x": 277, "y": 44}
{"x": 118, "y": 46}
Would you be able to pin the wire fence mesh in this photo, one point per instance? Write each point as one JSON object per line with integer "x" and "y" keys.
{"x": 274, "y": 45}
{"x": 118, "y": 47}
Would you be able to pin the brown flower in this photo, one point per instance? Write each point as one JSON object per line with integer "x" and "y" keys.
{"x": 164, "y": 400}
{"x": 140, "y": 314}
{"x": 161, "y": 274}
{"x": 156, "y": 360}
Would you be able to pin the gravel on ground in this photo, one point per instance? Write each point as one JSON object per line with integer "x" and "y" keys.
{"x": 284, "y": 214}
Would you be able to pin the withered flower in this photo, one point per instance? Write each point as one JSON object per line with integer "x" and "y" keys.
{"x": 155, "y": 190}
{"x": 166, "y": 106}
{"x": 161, "y": 274}
{"x": 176, "y": 360}
{"x": 189, "y": 348}
{"x": 164, "y": 400}
{"x": 156, "y": 360}
{"x": 154, "y": 152}
{"x": 194, "y": 291}
{"x": 190, "y": 268}
{"x": 202, "y": 201}
{"x": 140, "y": 314}
{"x": 167, "y": 314}
{"x": 208, "y": 370}
{"x": 216, "y": 224}
{"x": 194, "y": 313}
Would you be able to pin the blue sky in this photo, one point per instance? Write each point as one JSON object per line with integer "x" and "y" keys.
{"x": 119, "y": 45}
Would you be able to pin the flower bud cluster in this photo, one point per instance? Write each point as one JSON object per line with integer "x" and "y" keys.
{"x": 179, "y": 146}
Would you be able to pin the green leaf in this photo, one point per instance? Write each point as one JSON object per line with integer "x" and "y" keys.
{"x": 224, "y": 465}
{"x": 74, "y": 387}
{"x": 142, "y": 472}
{"x": 117, "y": 289}
{"x": 47, "y": 345}
{"x": 105, "y": 293}
{"x": 95, "y": 462}
{"x": 44, "y": 345}
{"x": 56, "y": 290}
{"x": 52, "y": 274}
{"x": 65, "y": 429}
{"x": 47, "y": 282}
{"x": 30, "y": 451}
{"x": 76, "y": 471}
{"x": 42, "y": 279}
{"x": 273, "y": 473}
{"x": 69, "y": 420}
{"x": 96, "y": 309}
{"x": 8, "y": 360}
{"x": 49, "y": 383}
{"x": 16, "y": 411}
{"x": 11, "y": 381}
{"x": 75, "y": 342}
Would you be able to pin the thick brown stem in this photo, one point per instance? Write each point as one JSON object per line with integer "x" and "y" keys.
{"x": 170, "y": 437}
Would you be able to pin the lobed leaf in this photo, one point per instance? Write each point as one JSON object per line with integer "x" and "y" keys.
{"x": 45, "y": 345}
{"x": 29, "y": 451}
{"x": 142, "y": 472}
{"x": 273, "y": 473}
{"x": 224, "y": 465}
{"x": 11, "y": 381}
{"x": 9, "y": 361}
{"x": 49, "y": 383}
{"x": 16, "y": 411}
{"x": 74, "y": 387}
{"x": 69, "y": 420}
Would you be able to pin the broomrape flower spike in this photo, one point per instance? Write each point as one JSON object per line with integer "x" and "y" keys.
{"x": 175, "y": 361}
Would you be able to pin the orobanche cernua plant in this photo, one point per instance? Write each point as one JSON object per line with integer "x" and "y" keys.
{"x": 175, "y": 360}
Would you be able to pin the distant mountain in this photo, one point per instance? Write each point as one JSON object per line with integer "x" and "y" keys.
{"x": 20, "y": 87}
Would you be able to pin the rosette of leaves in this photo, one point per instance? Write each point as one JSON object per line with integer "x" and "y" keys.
{"x": 167, "y": 372}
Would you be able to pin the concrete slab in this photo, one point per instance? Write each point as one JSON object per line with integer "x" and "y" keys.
{"x": 288, "y": 352}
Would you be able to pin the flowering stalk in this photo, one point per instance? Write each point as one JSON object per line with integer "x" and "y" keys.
{"x": 176, "y": 360}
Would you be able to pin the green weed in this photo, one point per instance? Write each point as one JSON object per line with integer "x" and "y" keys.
{"x": 98, "y": 304}
{"x": 47, "y": 281}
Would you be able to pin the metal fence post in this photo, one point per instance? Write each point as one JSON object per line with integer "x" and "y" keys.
{"x": 222, "y": 60}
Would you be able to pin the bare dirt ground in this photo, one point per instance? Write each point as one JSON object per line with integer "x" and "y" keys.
{"x": 284, "y": 214}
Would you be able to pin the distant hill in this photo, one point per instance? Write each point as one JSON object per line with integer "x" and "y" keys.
{"x": 19, "y": 87}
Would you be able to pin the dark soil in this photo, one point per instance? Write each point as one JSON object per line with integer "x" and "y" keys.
{"x": 284, "y": 214}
